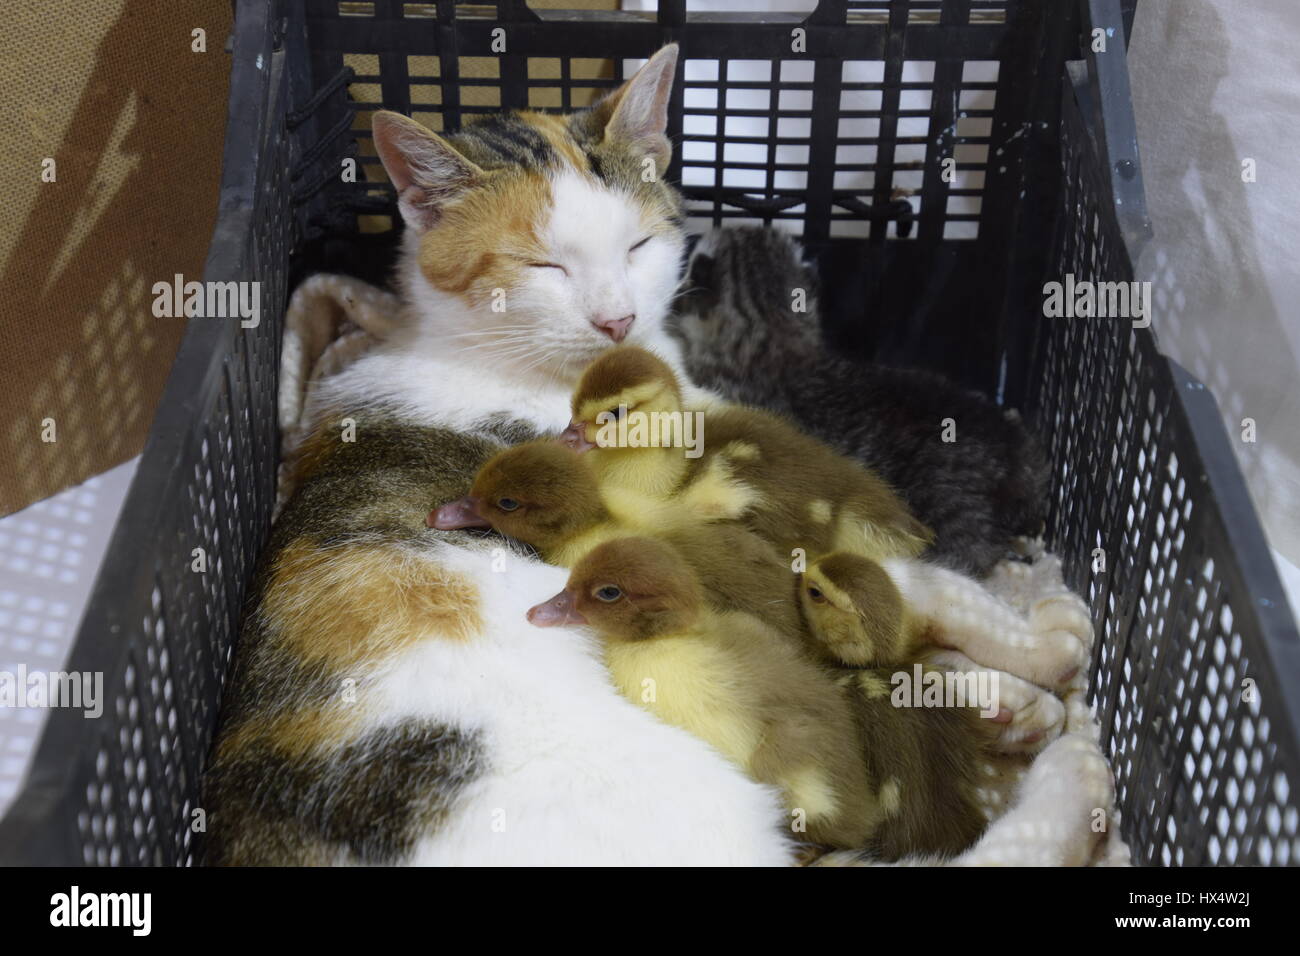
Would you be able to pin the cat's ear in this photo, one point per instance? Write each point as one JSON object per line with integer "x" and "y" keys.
{"x": 427, "y": 172}
{"x": 636, "y": 113}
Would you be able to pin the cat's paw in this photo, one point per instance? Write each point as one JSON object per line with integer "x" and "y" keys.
{"x": 1062, "y": 638}
{"x": 1029, "y": 718}
{"x": 1063, "y": 611}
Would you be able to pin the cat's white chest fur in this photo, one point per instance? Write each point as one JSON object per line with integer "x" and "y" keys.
{"x": 575, "y": 774}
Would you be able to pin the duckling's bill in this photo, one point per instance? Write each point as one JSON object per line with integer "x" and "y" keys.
{"x": 461, "y": 513}
{"x": 559, "y": 611}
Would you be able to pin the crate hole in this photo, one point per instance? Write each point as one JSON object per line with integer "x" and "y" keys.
{"x": 370, "y": 94}
{"x": 862, "y": 101}
{"x": 910, "y": 154}
{"x": 698, "y": 175}
{"x": 789, "y": 100}
{"x": 694, "y": 124}
{"x": 744, "y": 153}
{"x": 479, "y": 67}
{"x": 913, "y": 127}
{"x": 980, "y": 71}
{"x": 711, "y": 6}
{"x": 365, "y": 64}
{"x": 744, "y": 178}
{"x": 480, "y": 96}
{"x": 915, "y": 100}
{"x": 855, "y": 155}
{"x": 918, "y": 71}
{"x": 910, "y": 179}
{"x": 750, "y": 71}
{"x": 858, "y": 127}
{"x": 977, "y": 101}
{"x": 850, "y": 228}
{"x": 862, "y": 71}
{"x": 426, "y": 94}
{"x": 793, "y": 127}
{"x": 429, "y": 119}
{"x": 543, "y": 68}
{"x": 860, "y": 182}
{"x": 740, "y": 127}
{"x": 796, "y": 71}
{"x": 964, "y": 205}
{"x": 696, "y": 151}
{"x": 762, "y": 99}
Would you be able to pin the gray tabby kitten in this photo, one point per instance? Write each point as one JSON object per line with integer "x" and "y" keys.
{"x": 742, "y": 337}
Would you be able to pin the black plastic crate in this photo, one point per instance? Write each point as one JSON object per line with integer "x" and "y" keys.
{"x": 951, "y": 275}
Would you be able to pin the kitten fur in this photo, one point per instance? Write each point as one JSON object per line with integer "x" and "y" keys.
{"x": 741, "y": 337}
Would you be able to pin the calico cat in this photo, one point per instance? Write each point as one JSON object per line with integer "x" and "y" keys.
{"x": 390, "y": 703}
{"x": 742, "y": 337}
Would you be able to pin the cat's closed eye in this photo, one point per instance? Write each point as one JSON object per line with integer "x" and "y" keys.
{"x": 637, "y": 245}
{"x": 548, "y": 265}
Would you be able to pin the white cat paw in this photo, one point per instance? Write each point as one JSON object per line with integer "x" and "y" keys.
{"x": 1064, "y": 611}
{"x": 1029, "y": 718}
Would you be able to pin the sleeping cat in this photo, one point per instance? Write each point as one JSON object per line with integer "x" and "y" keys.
{"x": 742, "y": 337}
{"x": 389, "y": 702}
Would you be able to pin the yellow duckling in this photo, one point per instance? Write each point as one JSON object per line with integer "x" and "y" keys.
{"x": 544, "y": 495}
{"x": 864, "y": 613}
{"x": 730, "y": 462}
{"x": 856, "y": 613}
{"x": 725, "y": 677}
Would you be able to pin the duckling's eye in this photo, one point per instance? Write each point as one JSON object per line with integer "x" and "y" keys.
{"x": 816, "y": 595}
{"x": 609, "y": 594}
{"x": 507, "y": 504}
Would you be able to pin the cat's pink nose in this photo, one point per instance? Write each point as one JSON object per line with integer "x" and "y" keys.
{"x": 616, "y": 329}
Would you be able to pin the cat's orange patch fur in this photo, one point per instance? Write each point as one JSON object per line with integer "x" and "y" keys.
{"x": 296, "y": 734}
{"x": 485, "y": 241}
{"x": 343, "y": 607}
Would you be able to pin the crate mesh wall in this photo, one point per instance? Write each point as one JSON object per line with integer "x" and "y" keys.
{"x": 137, "y": 806}
{"x": 765, "y": 134}
{"x": 1205, "y": 772}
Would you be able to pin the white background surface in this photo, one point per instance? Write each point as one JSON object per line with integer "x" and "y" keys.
{"x": 49, "y": 556}
{"x": 1216, "y": 82}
